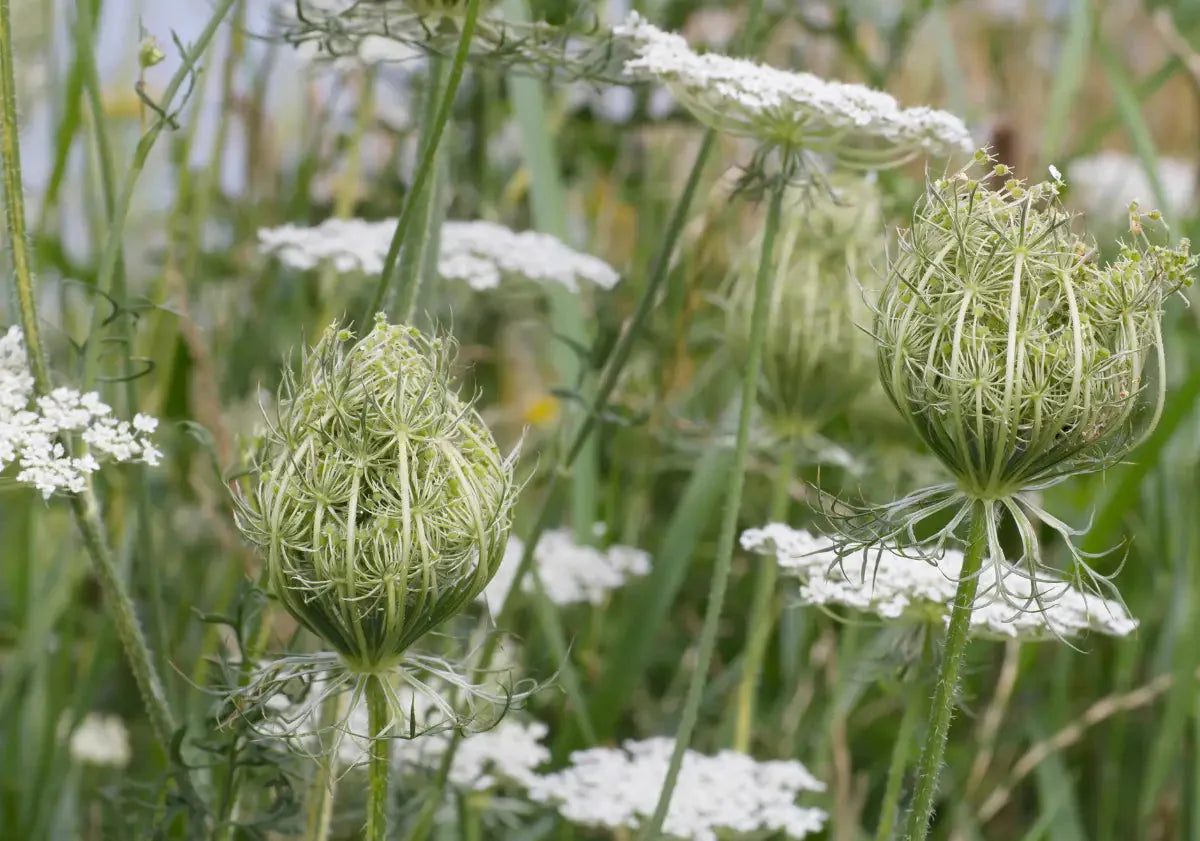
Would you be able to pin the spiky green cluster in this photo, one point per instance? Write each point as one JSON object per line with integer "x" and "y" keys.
{"x": 1010, "y": 350}
{"x": 382, "y": 502}
{"x": 816, "y": 357}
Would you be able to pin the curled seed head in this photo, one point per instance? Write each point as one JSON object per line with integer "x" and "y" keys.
{"x": 382, "y": 502}
{"x": 1012, "y": 352}
{"x": 816, "y": 357}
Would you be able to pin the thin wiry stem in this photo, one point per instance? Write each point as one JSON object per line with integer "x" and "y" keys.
{"x": 724, "y": 558}
{"x": 425, "y": 169}
{"x": 929, "y": 767}
{"x": 84, "y": 506}
{"x": 764, "y": 607}
{"x": 914, "y": 697}
{"x": 616, "y": 362}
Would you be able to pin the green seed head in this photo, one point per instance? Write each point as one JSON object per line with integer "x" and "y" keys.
{"x": 1015, "y": 356}
{"x": 816, "y": 356}
{"x": 382, "y": 503}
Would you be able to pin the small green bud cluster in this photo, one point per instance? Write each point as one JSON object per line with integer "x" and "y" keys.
{"x": 1015, "y": 355}
{"x": 816, "y": 358}
{"x": 382, "y": 502}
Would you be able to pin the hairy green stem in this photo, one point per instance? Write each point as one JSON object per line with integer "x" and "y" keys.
{"x": 612, "y": 369}
{"x": 942, "y": 710}
{"x": 84, "y": 506}
{"x": 889, "y": 809}
{"x": 729, "y": 521}
{"x": 378, "y": 763}
{"x": 764, "y": 607}
{"x": 425, "y": 166}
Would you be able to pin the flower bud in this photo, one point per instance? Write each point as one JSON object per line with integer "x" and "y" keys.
{"x": 816, "y": 357}
{"x": 1015, "y": 355}
{"x": 382, "y": 502}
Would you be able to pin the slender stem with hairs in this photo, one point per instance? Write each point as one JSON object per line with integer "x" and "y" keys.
{"x": 84, "y": 506}
{"x": 764, "y": 606}
{"x": 379, "y": 761}
{"x": 942, "y": 710}
{"x": 424, "y": 171}
{"x": 729, "y": 521}
{"x": 902, "y": 748}
{"x": 608, "y": 381}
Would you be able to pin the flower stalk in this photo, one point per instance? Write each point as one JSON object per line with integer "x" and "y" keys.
{"x": 728, "y": 533}
{"x": 425, "y": 170}
{"x": 941, "y": 711}
{"x": 378, "y": 718}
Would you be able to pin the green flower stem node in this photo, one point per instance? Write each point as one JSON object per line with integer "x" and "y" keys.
{"x": 930, "y": 765}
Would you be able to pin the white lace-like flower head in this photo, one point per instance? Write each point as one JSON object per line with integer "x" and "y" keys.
{"x": 34, "y": 437}
{"x": 100, "y": 740}
{"x": 896, "y": 586}
{"x": 480, "y": 254}
{"x": 716, "y": 796}
{"x": 569, "y": 573}
{"x": 794, "y": 110}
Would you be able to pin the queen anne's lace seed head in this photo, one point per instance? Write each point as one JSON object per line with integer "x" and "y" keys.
{"x": 816, "y": 357}
{"x": 717, "y": 797}
{"x": 100, "y": 740}
{"x": 41, "y": 438}
{"x": 1012, "y": 353}
{"x": 382, "y": 502}
{"x": 569, "y": 573}
{"x": 896, "y": 586}
{"x": 480, "y": 254}
{"x": 794, "y": 110}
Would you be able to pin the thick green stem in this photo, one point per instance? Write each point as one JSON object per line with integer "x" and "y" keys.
{"x": 378, "y": 764}
{"x": 425, "y": 166}
{"x": 764, "y": 607}
{"x": 889, "y": 810}
{"x": 942, "y": 710}
{"x": 729, "y": 521}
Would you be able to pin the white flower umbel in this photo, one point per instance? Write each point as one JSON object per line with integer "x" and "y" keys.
{"x": 719, "y": 796}
{"x": 793, "y": 110}
{"x": 480, "y": 254}
{"x": 1104, "y": 184}
{"x": 896, "y": 586}
{"x": 100, "y": 740}
{"x": 33, "y": 436}
{"x": 569, "y": 573}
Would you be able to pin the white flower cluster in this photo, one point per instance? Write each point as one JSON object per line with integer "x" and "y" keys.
{"x": 569, "y": 573}
{"x": 715, "y": 797}
{"x": 480, "y": 254}
{"x": 1104, "y": 184}
{"x": 100, "y": 740}
{"x": 791, "y": 109}
{"x": 32, "y": 437}
{"x": 893, "y": 586}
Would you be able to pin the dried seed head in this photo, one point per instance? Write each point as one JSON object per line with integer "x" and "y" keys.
{"x": 382, "y": 502}
{"x": 816, "y": 359}
{"x": 1017, "y": 358}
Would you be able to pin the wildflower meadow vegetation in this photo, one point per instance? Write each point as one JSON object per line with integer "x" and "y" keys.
{"x": 457, "y": 420}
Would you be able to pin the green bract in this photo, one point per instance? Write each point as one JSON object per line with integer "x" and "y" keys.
{"x": 382, "y": 502}
{"x": 816, "y": 359}
{"x": 1015, "y": 355}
